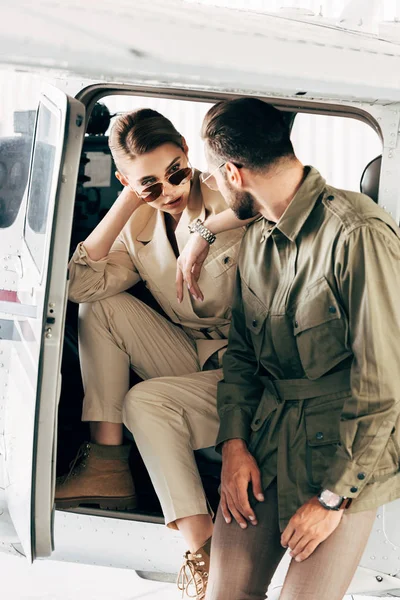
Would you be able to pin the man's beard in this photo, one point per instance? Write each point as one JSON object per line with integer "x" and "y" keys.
{"x": 242, "y": 204}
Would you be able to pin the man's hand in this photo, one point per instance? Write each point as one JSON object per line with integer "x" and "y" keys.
{"x": 239, "y": 468}
{"x": 189, "y": 265}
{"x": 309, "y": 526}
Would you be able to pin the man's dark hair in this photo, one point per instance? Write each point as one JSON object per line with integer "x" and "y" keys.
{"x": 247, "y": 132}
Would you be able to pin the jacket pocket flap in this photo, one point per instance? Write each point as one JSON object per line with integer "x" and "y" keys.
{"x": 323, "y": 423}
{"x": 255, "y": 311}
{"x": 319, "y": 306}
{"x": 221, "y": 262}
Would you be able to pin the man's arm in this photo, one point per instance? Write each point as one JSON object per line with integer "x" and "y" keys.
{"x": 239, "y": 394}
{"x": 368, "y": 278}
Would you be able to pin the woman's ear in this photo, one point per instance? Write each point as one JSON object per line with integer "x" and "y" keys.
{"x": 185, "y": 147}
{"x": 121, "y": 178}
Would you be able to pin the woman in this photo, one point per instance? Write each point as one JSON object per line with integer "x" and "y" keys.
{"x": 173, "y": 411}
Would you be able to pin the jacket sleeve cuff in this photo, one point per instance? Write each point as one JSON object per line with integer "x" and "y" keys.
{"x": 234, "y": 424}
{"x": 80, "y": 257}
{"x": 346, "y": 478}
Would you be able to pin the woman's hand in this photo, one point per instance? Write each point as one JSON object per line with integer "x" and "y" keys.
{"x": 189, "y": 265}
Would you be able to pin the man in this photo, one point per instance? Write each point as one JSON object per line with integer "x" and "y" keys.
{"x": 309, "y": 404}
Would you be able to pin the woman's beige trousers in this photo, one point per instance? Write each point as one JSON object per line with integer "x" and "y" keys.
{"x": 170, "y": 413}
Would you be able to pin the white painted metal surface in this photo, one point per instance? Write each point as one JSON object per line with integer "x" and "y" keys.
{"x": 117, "y": 543}
{"x": 164, "y": 42}
{"x": 29, "y": 435}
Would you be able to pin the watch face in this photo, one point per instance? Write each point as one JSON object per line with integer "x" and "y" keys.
{"x": 330, "y": 499}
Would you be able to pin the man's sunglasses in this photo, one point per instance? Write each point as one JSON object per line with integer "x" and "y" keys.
{"x": 154, "y": 191}
{"x": 209, "y": 178}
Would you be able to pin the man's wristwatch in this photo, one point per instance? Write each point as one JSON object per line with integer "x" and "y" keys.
{"x": 332, "y": 501}
{"x": 199, "y": 227}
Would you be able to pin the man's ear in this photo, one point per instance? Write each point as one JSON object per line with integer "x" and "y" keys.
{"x": 121, "y": 178}
{"x": 234, "y": 175}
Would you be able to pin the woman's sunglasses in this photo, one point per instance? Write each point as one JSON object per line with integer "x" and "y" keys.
{"x": 154, "y": 191}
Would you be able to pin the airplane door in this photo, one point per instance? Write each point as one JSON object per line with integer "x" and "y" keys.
{"x": 35, "y": 327}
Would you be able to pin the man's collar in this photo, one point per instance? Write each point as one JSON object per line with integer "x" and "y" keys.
{"x": 300, "y": 208}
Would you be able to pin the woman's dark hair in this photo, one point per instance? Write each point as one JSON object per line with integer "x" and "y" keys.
{"x": 141, "y": 131}
{"x": 247, "y": 131}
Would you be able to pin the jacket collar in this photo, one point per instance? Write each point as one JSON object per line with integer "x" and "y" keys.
{"x": 300, "y": 208}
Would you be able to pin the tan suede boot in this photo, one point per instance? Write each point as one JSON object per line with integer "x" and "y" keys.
{"x": 193, "y": 576}
{"x": 98, "y": 475}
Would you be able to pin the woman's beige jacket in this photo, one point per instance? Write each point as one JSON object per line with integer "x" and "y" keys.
{"x": 142, "y": 252}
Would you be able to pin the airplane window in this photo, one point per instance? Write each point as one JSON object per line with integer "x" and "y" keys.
{"x": 19, "y": 98}
{"x": 43, "y": 156}
{"x": 14, "y": 168}
{"x": 339, "y": 147}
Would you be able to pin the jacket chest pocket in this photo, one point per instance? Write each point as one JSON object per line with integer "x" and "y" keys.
{"x": 255, "y": 313}
{"x": 320, "y": 329}
{"x": 224, "y": 260}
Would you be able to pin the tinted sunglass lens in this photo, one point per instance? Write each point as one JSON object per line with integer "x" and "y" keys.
{"x": 152, "y": 192}
{"x": 180, "y": 176}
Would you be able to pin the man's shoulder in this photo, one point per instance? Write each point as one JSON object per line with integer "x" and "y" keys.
{"x": 353, "y": 210}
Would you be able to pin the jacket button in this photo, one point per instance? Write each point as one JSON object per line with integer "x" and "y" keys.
{"x": 354, "y": 489}
{"x": 361, "y": 476}
{"x": 255, "y": 323}
{"x": 257, "y": 421}
{"x": 226, "y": 260}
{"x": 332, "y": 309}
{"x": 330, "y": 198}
{"x": 296, "y": 324}
{"x": 319, "y": 435}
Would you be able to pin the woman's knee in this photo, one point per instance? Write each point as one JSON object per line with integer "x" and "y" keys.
{"x": 118, "y": 311}
{"x": 135, "y": 402}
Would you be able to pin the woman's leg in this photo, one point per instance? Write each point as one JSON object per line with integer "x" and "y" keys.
{"x": 106, "y": 434}
{"x": 196, "y": 530}
{"x": 170, "y": 417}
{"x": 117, "y": 334}
{"x": 120, "y": 333}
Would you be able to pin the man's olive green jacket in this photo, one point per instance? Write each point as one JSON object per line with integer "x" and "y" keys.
{"x": 312, "y": 370}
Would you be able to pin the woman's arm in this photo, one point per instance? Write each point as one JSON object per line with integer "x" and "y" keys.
{"x": 101, "y": 265}
{"x": 190, "y": 262}
{"x": 99, "y": 242}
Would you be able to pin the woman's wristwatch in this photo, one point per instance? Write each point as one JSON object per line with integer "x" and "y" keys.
{"x": 199, "y": 227}
{"x": 332, "y": 501}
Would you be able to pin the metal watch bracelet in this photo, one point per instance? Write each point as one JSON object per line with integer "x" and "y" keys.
{"x": 199, "y": 227}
